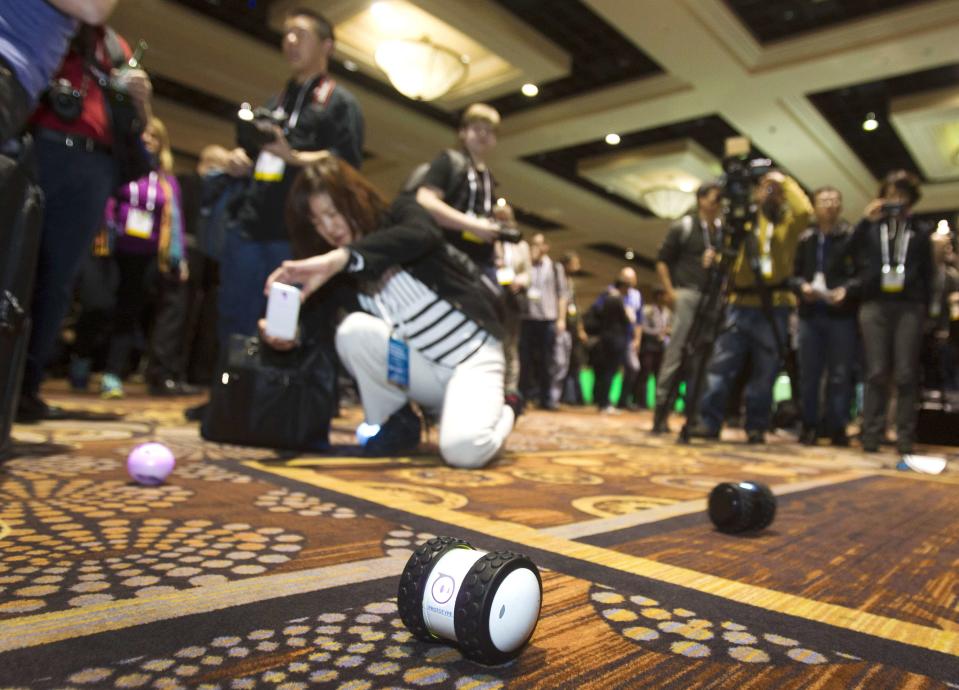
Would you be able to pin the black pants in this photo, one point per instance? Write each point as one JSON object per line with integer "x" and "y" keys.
{"x": 140, "y": 283}
{"x": 536, "y": 342}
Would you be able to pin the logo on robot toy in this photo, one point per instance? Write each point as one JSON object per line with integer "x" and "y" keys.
{"x": 443, "y": 589}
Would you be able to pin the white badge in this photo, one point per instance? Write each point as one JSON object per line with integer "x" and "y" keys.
{"x": 766, "y": 266}
{"x": 534, "y": 294}
{"x": 819, "y": 283}
{"x": 893, "y": 278}
{"x": 505, "y": 275}
{"x": 269, "y": 168}
{"x": 140, "y": 223}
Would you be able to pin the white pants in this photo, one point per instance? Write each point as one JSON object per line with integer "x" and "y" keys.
{"x": 474, "y": 420}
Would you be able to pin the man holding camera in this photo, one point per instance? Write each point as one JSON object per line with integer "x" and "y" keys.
{"x": 312, "y": 117}
{"x": 759, "y": 304}
{"x": 77, "y": 132}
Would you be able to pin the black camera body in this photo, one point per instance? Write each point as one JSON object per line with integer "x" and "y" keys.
{"x": 254, "y": 127}
{"x": 740, "y": 177}
{"x": 65, "y": 100}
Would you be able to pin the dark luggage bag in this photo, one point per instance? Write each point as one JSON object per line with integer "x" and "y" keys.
{"x": 21, "y": 213}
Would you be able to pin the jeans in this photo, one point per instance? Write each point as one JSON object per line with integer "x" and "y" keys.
{"x": 536, "y": 342}
{"x": 244, "y": 267}
{"x": 826, "y": 343}
{"x": 76, "y": 185}
{"x": 746, "y": 332}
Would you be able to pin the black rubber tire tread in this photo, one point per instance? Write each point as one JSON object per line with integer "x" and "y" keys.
{"x": 765, "y": 507}
{"x": 475, "y": 599}
{"x": 409, "y": 597}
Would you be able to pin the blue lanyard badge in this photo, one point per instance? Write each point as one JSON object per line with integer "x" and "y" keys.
{"x": 398, "y": 363}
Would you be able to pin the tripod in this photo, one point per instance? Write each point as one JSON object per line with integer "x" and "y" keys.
{"x": 708, "y": 319}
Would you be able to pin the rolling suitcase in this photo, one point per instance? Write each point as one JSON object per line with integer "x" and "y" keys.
{"x": 21, "y": 213}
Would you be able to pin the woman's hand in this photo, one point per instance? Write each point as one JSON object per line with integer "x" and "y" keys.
{"x": 278, "y": 344}
{"x": 311, "y": 274}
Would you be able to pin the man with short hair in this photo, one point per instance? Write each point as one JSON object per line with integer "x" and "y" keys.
{"x": 827, "y": 319}
{"x": 685, "y": 258}
{"x": 545, "y": 316}
{"x": 319, "y": 117}
{"x": 633, "y": 303}
{"x": 458, "y": 189}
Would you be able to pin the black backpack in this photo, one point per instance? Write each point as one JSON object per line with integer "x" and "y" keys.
{"x": 460, "y": 165}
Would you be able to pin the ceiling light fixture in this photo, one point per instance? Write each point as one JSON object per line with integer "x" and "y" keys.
{"x": 612, "y": 139}
{"x": 870, "y": 124}
{"x": 420, "y": 69}
{"x": 668, "y": 202}
{"x": 529, "y": 90}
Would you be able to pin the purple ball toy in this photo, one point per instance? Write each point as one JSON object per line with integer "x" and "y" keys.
{"x": 150, "y": 463}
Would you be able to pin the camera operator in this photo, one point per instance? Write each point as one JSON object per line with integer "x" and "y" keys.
{"x": 783, "y": 213}
{"x": 80, "y": 132}
{"x": 827, "y": 318}
{"x": 685, "y": 257}
{"x": 317, "y": 115}
{"x": 457, "y": 189}
{"x": 893, "y": 280}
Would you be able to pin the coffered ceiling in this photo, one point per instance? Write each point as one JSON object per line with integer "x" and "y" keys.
{"x": 673, "y": 78}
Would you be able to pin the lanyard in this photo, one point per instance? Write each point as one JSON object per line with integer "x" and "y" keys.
{"x": 151, "y": 193}
{"x": 901, "y": 239}
{"x": 768, "y": 241}
{"x": 300, "y": 101}
{"x": 488, "y": 190}
{"x": 707, "y": 241}
{"x": 821, "y": 253}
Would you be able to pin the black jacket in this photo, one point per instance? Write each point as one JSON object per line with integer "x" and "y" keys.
{"x": 411, "y": 239}
{"x": 867, "y": 285}
{"x": 839, "y": 268}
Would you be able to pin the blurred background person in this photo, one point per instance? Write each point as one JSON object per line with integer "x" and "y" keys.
{"x": 512, "y": 274}
{"x": 657, "y": 322}
{"x": 827, "y": 320}
{"x": 893, "y": 279}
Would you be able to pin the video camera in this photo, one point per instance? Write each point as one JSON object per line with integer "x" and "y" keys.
{"x": 740, "y": 176}
{"x": 254, "y": 127}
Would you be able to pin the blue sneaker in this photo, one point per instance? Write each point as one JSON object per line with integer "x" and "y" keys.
{"x": 111, "y": 387}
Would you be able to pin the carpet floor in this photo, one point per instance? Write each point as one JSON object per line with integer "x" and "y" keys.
{"x": 248, "y": 569}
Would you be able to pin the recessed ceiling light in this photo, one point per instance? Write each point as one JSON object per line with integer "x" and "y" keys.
{"x": 612, "y": 139}
{"x": 530, "y": 90}
{"x": 501, "y": 202}
{"x": 870, "y": 124}
{"x": 630, "y": 255}
{"x": 350, "y": 65}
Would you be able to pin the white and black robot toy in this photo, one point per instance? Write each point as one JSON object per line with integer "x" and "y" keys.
{"x": 486, "y": 603}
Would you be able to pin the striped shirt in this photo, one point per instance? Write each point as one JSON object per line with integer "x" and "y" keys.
{"x": 429, "y": 324}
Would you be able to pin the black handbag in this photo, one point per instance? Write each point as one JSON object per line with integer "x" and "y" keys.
{"x": 281, "y": 400}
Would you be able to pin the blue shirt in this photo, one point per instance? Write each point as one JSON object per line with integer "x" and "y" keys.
{"x": 34, "y": 35}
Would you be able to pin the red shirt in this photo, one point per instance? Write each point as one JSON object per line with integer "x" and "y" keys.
{"x": 94, "y": 121}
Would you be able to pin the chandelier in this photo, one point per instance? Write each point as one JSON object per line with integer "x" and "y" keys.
{"x": 668, "y": 202}
{"x": 420, "y": 69}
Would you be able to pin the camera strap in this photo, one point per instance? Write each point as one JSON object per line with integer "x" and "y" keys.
{"x": 472, "y": 178}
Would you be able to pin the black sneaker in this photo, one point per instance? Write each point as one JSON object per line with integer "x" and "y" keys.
{"x": 840, "y": 439}
{"x": 700, "y": 430}
{"x": 32, "y": 409}
{"x": 807, "y": 436}
{"x": 515, "y": 400}
{"x": 399, "y": 435}
{"x": 870, "y": 445}
{"x": 755, "y": 437}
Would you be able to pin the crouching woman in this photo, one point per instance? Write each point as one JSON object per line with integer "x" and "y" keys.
{"x": 423, "y": 324}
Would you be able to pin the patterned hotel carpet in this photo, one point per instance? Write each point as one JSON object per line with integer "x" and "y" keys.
{"x": 248, "y": 570}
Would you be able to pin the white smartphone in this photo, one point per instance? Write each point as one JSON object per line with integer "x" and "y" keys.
{"x": 282, "y": 311}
